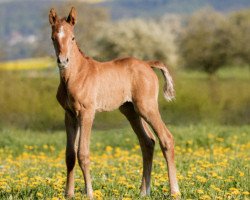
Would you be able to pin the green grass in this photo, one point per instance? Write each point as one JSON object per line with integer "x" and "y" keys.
{"x": 212, "y": 154}
{"x": 28, "y": 100}
{"x": 212, "y": 163}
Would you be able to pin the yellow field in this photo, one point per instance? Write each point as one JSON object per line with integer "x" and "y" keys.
{"x": 28, "y": 64}
{"x": 217, "y": 170}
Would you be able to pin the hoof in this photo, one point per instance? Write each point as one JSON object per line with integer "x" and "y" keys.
{"x": 143, "y": 194}
{"x": 176, "y": 195}
{"x": 69, "y": 195}
{"x": 90, "y": 195}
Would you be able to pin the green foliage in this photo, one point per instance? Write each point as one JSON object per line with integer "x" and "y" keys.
{"x": 211, "y": 40}
{"x": 139, "y": 38}
{"x": 206, "y": 42}
{"x": 241, "y": 23}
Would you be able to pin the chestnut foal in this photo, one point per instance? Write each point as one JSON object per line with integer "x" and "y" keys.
{"x": 88, "y": 86}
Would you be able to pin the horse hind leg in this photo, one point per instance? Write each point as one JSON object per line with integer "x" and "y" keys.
{"x": 147, "y": 143}
{"x": 151, "y": 114}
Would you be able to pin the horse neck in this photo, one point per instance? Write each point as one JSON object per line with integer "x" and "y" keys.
{"x": 77, "y": 63}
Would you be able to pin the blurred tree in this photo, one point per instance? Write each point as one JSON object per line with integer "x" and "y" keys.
{"x": 206, "y": 41}
{"x": 88, "y": 22}
{"x": 241, "y": 24}
{"x": 2, "y": 50}
{"x": 138, "y": 38}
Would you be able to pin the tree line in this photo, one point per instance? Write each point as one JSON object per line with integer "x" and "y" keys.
{"x": 207, "y": 40}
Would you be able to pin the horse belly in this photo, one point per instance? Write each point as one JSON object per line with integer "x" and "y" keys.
{"x": 112, "y": 97}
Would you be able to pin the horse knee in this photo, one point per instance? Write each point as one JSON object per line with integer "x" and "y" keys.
{"x": 167, "y": 142}
{"x": 83, "y": 159}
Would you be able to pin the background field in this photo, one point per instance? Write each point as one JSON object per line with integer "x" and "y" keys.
{"x": 29, "y": 99}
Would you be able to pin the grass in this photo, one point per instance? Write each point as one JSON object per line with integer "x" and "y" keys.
{"x": 212, "y": 160}
{"x": 212, "y": 163}
{"x": 29, "y": 100}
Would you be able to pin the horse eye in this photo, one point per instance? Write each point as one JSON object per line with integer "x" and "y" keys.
{"x": 73, "y": 38}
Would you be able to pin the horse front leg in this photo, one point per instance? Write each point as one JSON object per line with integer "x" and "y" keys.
{"x": 86, "y": 120}
{"x": 71, "y": 126}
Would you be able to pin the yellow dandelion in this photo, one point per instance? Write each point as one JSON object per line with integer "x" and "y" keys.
{"x": 210, "y": 136}
{"x": 234, "y": 191}
{"x": 164, "y": 189}
{"x": 214, "y": 175}
{"x": 39, "y": 195}
{"x": 219, "y": 139}
{"x": 199, "y": 191}
{"x": 98, "y": 194}
{"x": 115, "y": 192}
{"x": 130, "y": 186}
{"x": 51, "y": 148}
{"x": 189, "y": 150}
{"x": 215, "y": 188}
{"x": 136, "y": 147}
{"x": 201, "y": 179}
{"x": 205, "y": 197}
{"x": 241, "y": 174}
{"x": 190, "y": 142}
{"x": 109, "y": 148}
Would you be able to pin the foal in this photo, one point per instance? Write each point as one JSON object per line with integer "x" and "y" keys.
{"x": 88, "y": 86}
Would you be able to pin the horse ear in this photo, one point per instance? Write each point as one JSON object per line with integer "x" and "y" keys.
{"x": 72, "y": 17}
{"x": 52, "y": 16}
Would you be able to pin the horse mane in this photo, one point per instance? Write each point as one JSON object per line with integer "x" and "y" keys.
{"x": 83, "y": 54}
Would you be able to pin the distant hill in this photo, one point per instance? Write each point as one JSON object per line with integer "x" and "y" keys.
{"x": 27, "y": 16}
{"x": 21, "y": 20}
{"x": 24, "y": 17}
{"x": 155, "y": 8}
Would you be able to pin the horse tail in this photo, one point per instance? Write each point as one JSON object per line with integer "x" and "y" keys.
{"x": 168, "y": 88}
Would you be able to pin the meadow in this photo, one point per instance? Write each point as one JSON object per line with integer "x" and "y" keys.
{"x": 29, "y": 99}
{"x": 212, "y": 163}
{"x": 209, "y": 120}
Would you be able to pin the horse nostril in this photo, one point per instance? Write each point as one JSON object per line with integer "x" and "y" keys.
{"x": 58, "y": 60}
{"x": 67, "y": 60}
